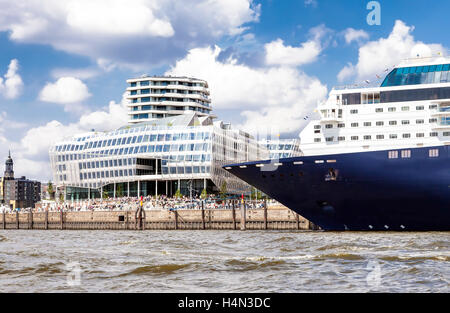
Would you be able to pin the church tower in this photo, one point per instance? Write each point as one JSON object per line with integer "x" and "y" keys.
{"x": 9, "y": 167}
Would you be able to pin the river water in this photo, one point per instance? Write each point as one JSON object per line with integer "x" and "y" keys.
{"x": 223, "y": 261}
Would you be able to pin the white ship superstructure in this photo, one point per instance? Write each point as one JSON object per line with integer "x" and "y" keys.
{"x": 410, "y": 109}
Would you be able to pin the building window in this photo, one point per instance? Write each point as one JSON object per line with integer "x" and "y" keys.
{"x": 405, "y": 122}
{"x": 446, "y": 134}
{"x": 393, "y": 136}
{"x": 353, "y": 111}
{"x": 433, "y": 120}
{"x": 405, "y": 108}
{"x": 379, "y": 137}
{"x": 379, "y": 110}
{"x": 406, "y": 154}
{"x": 367, "y": 124}
{"x": 355, "y": 125}
{"x": 420, "y": 107}
{"x": 420, "y": 121}
{"x": 367, "y": 137}
{"x": 317, "y": 127}
{"x": 392, "y": 123}
{"x": 355, "y": 138}
{"x": 317, "y": 140}
{"x": 406, "y": 136}
{"x": 434, "y": 153}
{"x": 433, "y": 134}
{"x": 393, "y": 154}
{"x": 380, "y": 123}
{"x": 329, "y": 126}
{"x": 341, "y": 125}
{"x": 420, "y": 135}
{"x": 433, "y": 106}
{"x": 392, "y": 109}
{"x": 329, "y": 139}
{"x": 341, "y": 138}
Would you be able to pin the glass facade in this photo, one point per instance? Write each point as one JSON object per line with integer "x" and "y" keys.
{"x": 415, "y": 75}
{"x": 147, "y": 153}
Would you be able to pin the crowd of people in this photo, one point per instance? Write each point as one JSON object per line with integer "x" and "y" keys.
{"x": 149, "y": 203}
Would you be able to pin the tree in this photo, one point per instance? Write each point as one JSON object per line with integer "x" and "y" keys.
{"x": 204, "y": 194}
{"x": 119, "y": 191}
{"x": 178, "y": 194}
{"x": 51, "y": 192}
{"x": 223, "y": 190}
{"x": 105, "y": 194}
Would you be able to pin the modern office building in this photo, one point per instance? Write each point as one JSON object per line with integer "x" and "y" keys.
{"x": 166, "y": 96}
{"x": 18, "y": 192}
{"x": 282, "y": 148}
{"x": 184, "y": 152}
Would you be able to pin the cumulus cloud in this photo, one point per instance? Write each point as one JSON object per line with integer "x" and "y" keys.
{"x": 279, "y": 54}
{"x": 135, "y": 34}
{"x": 355, "y": 35}
{"x": 11, "y": 84}
{"x": 388, "y": 52}
{"x": 279, "y": 96}
{"x": 68, "y": 91}
{"x": 31, "y": 151}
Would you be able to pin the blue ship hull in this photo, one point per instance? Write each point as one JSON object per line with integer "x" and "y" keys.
{"x": 361, "y": 191}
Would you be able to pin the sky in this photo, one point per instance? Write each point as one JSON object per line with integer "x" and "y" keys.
{"x": 269, "y": 63}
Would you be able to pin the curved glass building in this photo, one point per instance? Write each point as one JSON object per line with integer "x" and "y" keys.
{"x": 184, "y": 152}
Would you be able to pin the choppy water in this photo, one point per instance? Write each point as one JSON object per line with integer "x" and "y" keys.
{"x": 223, "y": 261}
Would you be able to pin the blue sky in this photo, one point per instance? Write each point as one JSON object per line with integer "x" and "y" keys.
{"x": 267, "y": 61}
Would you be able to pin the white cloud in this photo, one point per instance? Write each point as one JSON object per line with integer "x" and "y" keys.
{"x": 277, "y": 96}
{"x": 355, "y": 35}
{"x": 135, "y": 34}
{"x": 80, "y": 73}
{"x": 312, "y": 3}
{"x": 30, "y": 153}
{"x": 279, "y": 54}
{"x": 69, "y": 91}
{"x": 376, "y": 56}
{"x": 11, "y": 85}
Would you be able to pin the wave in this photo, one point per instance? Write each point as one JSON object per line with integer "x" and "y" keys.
{"x": 400, "y": 258}
{"x": 156, "y": 269}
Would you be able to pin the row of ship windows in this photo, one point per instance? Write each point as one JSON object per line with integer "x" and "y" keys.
{"x": 381, "y": 123}
{"x": 404, "y": 109}
{"x": 406, "y": 154}
{"x": 381, "y": 137}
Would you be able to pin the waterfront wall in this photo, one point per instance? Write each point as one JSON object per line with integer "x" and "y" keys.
{"x": 232, "y": 219}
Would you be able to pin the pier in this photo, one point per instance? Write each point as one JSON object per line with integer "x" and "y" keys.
{"x": 276, "y": 218}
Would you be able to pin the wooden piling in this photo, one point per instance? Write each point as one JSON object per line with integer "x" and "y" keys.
{"x": 61, "y": 220}
{"x": 265, "y": 214}
{"x": 176, "y": 219}
{"x": 243, "y": 215}
{"x": 4, "y": 219}
{"x": 297, "y": 220}
{"x": 46, "y": 220}
{"x": 234, "y": 215}
{"x": 17, "y": 220}
{"x": 203, "y": 215}
{"x": 30, "y": 220}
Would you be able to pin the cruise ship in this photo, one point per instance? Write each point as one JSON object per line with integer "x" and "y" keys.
{"x": 377, "y": 159}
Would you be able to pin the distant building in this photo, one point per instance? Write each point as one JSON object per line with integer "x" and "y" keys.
{"x": 18, "y": 192}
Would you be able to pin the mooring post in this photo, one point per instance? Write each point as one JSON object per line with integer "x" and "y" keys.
{"x": 233, "y": 203}
{"x": 61, "y": 220}
{"x": 242, "y": 213}
{"x": 265, "y": 214}
{"x": 297, "y": 219}
{"x": 138, "y": 216}
{"x": 203, "y": 215}
{"x": 176, "y": 219}
{"x": 30, "y": 219}
{"x": 17, "y": 219}
{"x": 4, "y": 219}
{"x": 46, "y": 219}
